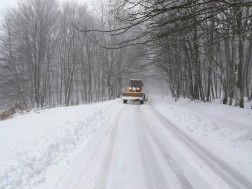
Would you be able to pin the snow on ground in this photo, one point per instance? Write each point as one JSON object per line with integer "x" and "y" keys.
{"x": 161, "y": 144}
{"x": 225, "y": 130}
{"x": 36, "y": 147}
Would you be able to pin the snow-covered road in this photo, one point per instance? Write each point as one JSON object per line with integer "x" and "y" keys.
{"x": 161, "y": 144}
{"x": 140, "y": 148}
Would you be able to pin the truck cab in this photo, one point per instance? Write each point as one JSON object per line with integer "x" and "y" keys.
{"x": 134, "y": 92}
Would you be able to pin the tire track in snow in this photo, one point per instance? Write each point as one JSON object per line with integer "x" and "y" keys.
{"x": 170, "y": 162}
{"x": 126, "y": 169}
{"x": 154, "y": 175}
{"x": 227, "y": 173}
{"x": 85, "y": 171}
{"x": 104, "y": 172}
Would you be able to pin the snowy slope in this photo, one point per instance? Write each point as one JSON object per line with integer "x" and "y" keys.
{"x": 36, "y": 148}
{"x": 161, "y": 144}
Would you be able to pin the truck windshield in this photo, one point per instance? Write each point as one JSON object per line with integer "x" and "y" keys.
{"x": 136, "y": 84}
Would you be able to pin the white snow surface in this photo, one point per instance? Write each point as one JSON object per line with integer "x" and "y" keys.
{"x": 161, "y": 144}
{"x": 225, "y": 130}
{"x": 35, "y": 149}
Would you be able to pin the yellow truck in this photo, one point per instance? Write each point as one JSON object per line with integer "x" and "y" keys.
{"x": 135, "y": 91}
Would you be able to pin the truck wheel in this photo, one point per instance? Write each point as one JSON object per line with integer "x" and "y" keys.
{"x": 125, "y": 101}
{"x": 141, "y": 101}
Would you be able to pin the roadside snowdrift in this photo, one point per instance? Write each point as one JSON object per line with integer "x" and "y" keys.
{"x": 36, "y": 147}
{"x": 225, "y": 130}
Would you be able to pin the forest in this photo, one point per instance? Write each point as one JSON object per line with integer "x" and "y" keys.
{"x": 55, "y": 54}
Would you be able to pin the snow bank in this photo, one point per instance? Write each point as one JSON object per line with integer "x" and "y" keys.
{"x": 225, "y": 130}
{"x": 36, "y": 148}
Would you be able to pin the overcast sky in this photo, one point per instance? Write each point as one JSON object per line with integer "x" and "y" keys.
{"x": 7, "y": 3}
{"x": 11, "y": 3}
